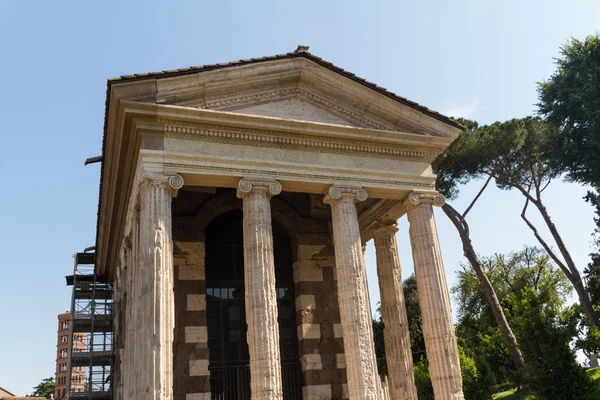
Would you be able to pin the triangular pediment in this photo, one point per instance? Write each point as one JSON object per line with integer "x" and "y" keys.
{"x": 297, "y": 87}
{"x": 295, "y": 109}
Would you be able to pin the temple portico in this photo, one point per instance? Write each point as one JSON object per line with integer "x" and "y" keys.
{"x": 235, "y": 202}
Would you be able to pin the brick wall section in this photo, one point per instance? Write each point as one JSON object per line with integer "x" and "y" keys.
{"x": 190, "y": 347}
{"x": 320, "y": 341}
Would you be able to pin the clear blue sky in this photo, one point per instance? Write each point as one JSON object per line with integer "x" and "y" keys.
{"x": 475, "y": 59}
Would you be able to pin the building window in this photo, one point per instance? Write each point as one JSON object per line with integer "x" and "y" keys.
{"x": 65, "y": 325}
{"x": 64, "y": 339}
{"x": 63, "y": 367}
{"x": 63, "y": 354}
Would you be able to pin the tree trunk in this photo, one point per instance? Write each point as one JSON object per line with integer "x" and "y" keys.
{"x": 488, "y": 290}
{"x": 575, "y": 276}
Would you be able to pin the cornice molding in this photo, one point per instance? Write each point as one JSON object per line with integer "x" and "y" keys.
{"x": 294, "y": 141}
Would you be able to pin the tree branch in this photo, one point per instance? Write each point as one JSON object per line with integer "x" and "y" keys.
{"x": 545, "y": 245}
{"x": 462, "y": 217}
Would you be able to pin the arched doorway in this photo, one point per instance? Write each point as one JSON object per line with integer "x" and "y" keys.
{"x": 226, "y": 314}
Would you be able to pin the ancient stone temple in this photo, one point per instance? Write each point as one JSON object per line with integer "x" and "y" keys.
{"x": 235, "y": 201}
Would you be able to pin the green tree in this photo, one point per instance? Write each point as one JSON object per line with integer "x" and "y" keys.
{"x": 532, "y": 292}
{"x": 511, "y": 153}
{"x": 44, "y": 389}
{"x": 570, "y": 99}
{"x": 457, "y": 165}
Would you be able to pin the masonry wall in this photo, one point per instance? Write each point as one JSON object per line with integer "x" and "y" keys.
{"x": 320, "y": 345}
{"x": 190, "y": 347}
{"x": 320, "y": 342}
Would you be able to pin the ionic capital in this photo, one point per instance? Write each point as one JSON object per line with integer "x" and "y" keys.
{"x": 172, "y": 182}
{"x": 345, "y": 193}
{"x": 415, "y": 199}
{"x": 381, "y": 228}
{"x": 246, "y": 186}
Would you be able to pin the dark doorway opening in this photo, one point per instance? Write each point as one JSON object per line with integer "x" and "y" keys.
{"x": 226, "y": 314}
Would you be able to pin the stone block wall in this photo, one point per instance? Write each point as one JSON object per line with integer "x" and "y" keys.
{"x": 190, "y": 347}
{"x": 320, "y": 342}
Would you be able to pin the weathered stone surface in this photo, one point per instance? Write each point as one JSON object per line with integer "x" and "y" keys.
{"x": 309, "y": 331}
{"x": 198, "y": 368}
{"x": 196, "y": 302}
{"x": 317, "y": 392}
{"x": 440, "y": 341}
{"x": 393, "y": 312}
{"x": 352, "y": 293}
{"x": 307, "y": 271}
{"x": 197, "y": 396}
{"x": 311, "y": 362}
{"x": 154, "y": 301}
{"x": 261, "y": 297}
{"x": 196, "y": 334}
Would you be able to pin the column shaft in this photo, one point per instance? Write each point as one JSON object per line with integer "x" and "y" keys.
{"x": 154, "y": 303}
{"x": 438, "y": 329}
{"x": 353, "y": 297}
{"x": 393, "y": 312}
{"x": 261, "y": 296}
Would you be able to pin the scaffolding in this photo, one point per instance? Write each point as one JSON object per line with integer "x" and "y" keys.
{"x": 91, "y": 332}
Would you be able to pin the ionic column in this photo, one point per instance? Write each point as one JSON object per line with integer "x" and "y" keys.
{"x": 154, "y": 300}
{"x": 393, "y": 312}
{"x": 261, "y": 296}
{"x": 353, "y": 298}
{"x": 440, "y": 341}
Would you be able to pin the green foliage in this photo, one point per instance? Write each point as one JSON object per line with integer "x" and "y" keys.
{"x": 455, "y": 166}
{"x": 532, "y": 292}
{"x": 379, "y": 346}
{"x": 553, "y": 372}
{"x": 44, "y": 389}
{"x": 415, "y": 321}
{"x": 422, "y": 380}
{"x": 570, "y": 99}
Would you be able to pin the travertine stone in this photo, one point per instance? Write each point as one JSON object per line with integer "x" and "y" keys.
{"x": 317, "y": 392}
{"x": 393, "y": 312}
{"x": 305, "y": 302}
{"x": 352, "y": 293}
{"x": 308, "y": 271}
{"x": 196, "y": 302}
{"x": 261, "y": 296}
{"x": 337, "y": 331}
{"x": 197, "y": 396}
{"x": 196, "y": 334}
{"x": 311, "y": 362}
{"x": 309, "y": 331}
{"x": 154, "y": 300}
{"x": 199, "y": 368}
{"x": 440, "y": 341}
{"x": 340, "y": 360}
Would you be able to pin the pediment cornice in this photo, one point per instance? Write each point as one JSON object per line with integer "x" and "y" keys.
{"x": 300, "y": 79}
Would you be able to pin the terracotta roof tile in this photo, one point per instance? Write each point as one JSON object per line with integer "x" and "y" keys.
{"x": 301, "y": 52}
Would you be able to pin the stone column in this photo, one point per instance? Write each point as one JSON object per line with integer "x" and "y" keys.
{"x": 393, "y": 312}
{"x": 353, "y": 297}
{"x": 154, "y": 302}
{"x": 438, "y": 329}
{"x": 261, "y": 296}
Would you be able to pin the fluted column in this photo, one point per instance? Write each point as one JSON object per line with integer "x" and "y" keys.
{"x": 440, "y": 340}
{"x": 261, "y": 296}
{"x": 353, "y": 296}
{"x": 393, "y": 312}
{"x": 154, "y": 300}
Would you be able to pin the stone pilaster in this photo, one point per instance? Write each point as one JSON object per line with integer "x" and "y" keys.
{"x": 440, "y": 341}
{"x": 352, "y": 293}
{"x": 153, "y": 303}
{"x": 261, "y": 296}
{"x": 393, "y": 312}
